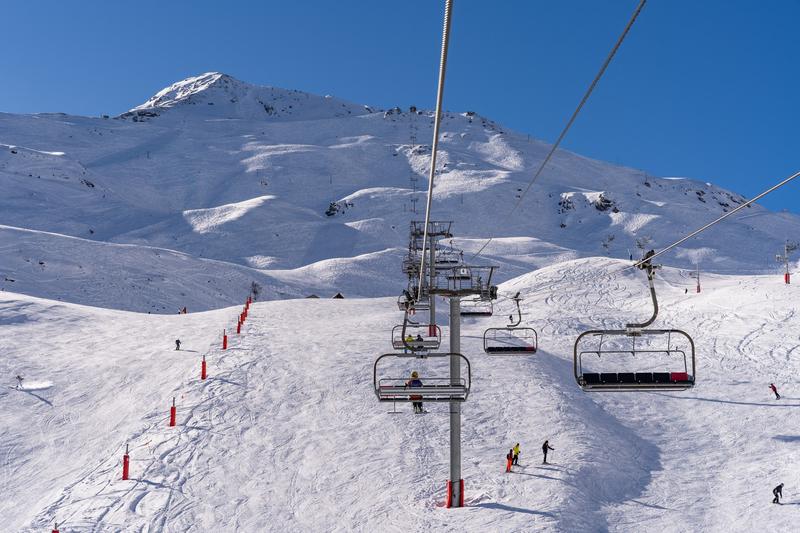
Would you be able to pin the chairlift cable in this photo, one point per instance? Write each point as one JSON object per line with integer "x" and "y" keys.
{"x": 719, "y": 219}
{"x": 573, "y": 117}
{"x": 448, "y": 8}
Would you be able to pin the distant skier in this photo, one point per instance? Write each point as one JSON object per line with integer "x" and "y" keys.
{"x": 415, "y": 382}
{"x": 183, "y": 311}
{"x": 19, "y": 381}
{"x": 177, "y": 344}
{"x": 516, "y": 453}
{"x": 546, "y": 446}
{"x": 775, "y": 390}
{"x": 509, "y": 460}
{"x": 778, "y": 493}
{"x": 685, "y": 291}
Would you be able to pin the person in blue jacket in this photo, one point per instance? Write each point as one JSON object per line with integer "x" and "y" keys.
{"x": 415, "y": 382}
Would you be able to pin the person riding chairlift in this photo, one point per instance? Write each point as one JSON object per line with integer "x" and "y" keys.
{"x": 415, "y": 382}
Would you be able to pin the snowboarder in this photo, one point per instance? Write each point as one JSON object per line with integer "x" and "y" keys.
{"x": 546, "y": 446}
{"x": 775, "y": 390}
{"x": 19, "y": 382}
{"x": 516, "y": 453}
{"x": 177, "y": 344}
{"x": 509, "y": 460}
{"x": 778, "y": 493}
{"x": 415, "y": 382}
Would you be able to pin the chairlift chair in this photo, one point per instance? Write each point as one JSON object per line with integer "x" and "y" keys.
{"x": 406, "y": 302}
{"x": 476, "y": 307}
{"x": 430, "y": 335}
{"x": 512, "y": 339}
{"x": 433, "y": 389}
{"x": 646, "y": 359}
{"x": 664, "y": 360}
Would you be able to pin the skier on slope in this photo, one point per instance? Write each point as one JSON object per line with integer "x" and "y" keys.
{"x": 778, "y": 493}
{"x": 19, "y": 381}
{"x": 775, "y": 390}
{"x": 415, "y": 382}
{"x": 177, "y": 344}
{"x": 509, "y": 460}
{"x": 515, "y": 450}
{"x": 546, "y": 446}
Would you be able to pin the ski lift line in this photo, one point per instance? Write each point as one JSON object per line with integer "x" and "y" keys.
{"x": 448, "y": 8}
{"x": 719, "y": 219}
{"x": 571, "y": 120}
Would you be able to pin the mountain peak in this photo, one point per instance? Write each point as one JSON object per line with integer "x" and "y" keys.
{"x": 218, "y": 95}
{"x": 184, "y": 90}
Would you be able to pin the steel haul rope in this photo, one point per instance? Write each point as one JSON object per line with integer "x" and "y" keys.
{"x": 719, "y": 219}
{"x": 573, "y": 117}
{"x": 448, "y": 9}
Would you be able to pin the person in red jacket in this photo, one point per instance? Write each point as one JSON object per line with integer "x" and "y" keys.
{"x": 775, "y": 390}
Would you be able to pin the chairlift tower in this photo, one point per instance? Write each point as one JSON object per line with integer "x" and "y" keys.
{"x": 437, "y": 229}
{"x": 696, "y": 275}
{"x": 448, "y": 277}
{"x": 788, "y": 247}
{"x": 413, "y": 178}
{"x": 455, "y": 284}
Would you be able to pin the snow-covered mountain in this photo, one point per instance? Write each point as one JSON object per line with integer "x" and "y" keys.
{"x": 214, "y": 184}
{"x": 234, "y": 181}
{"x": 287, "y": 435}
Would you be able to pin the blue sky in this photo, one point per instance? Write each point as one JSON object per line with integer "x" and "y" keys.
{"x": 708, "y": 90}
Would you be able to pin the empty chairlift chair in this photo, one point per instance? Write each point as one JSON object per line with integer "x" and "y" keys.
{"x": 512, "y": 339}
{"x": 635, "y": 358}
{"x": 476, "y": 307}
{"x": 396, "y": 388}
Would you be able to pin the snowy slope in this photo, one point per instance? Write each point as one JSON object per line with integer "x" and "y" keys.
{"x": 286, "y": 434}
{"x": 215, "y": 168}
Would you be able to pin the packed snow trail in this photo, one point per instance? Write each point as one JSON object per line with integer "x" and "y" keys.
{"x": 286, "y": 433}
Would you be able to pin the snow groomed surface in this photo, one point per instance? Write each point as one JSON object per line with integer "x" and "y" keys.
{"x": 286, "y": 433}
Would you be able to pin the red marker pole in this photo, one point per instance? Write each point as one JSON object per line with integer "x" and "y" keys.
{"x": 224, "y": 340}
{"x": 239, "y": 326}
{"x": 125, "y": 463}
{"x": 203, "y": 374}
{"x": 172, "y": 413}
{"x": 55, "y": 528}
